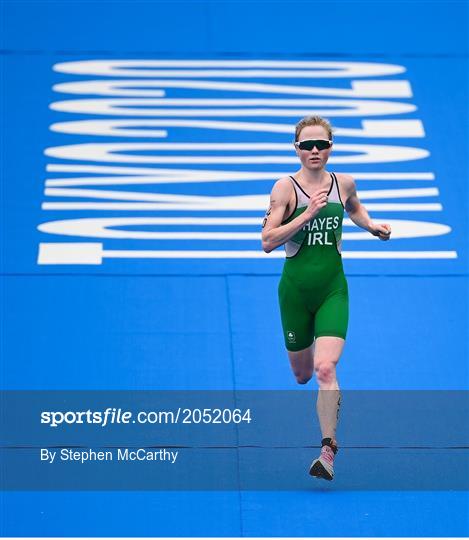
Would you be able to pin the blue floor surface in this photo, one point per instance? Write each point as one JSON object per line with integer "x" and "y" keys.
{"x": 136, "y": 305}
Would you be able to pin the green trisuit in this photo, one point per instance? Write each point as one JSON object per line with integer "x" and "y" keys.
{"x": 313, "y": 292}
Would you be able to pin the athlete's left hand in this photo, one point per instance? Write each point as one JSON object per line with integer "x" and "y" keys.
{"x": 382, "y": 231}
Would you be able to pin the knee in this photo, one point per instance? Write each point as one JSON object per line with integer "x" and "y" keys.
{"x": 303, "y": 378}
{"x": 325, "y": 372}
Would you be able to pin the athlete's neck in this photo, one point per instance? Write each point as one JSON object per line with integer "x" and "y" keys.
{"x": 313, "y": 178}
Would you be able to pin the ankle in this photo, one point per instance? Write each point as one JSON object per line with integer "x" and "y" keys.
{"x": 332, "y": 443}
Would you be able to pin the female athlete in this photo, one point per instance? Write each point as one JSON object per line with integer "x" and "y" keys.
{"x": 305, "y": 214}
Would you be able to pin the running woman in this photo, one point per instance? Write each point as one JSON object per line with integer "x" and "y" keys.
{"x": 305, "y": 214}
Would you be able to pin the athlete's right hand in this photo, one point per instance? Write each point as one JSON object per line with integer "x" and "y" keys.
{"x": 317, "y": 201}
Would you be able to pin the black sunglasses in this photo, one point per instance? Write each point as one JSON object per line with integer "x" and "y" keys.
{"x": 309, "y": 144}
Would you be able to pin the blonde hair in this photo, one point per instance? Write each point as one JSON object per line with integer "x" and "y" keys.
{"x": 313, "y": 121}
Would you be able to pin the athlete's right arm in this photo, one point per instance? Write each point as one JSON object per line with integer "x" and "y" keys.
{"x": 274, "y": 234}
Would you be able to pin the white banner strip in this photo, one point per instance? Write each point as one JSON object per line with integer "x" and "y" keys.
{"x": 153, "y": 88}
{"x": 164, "y": 175}
{"x": 113, "y": 228}
{"x": 129, "y": 127}
{"x": 275, "y": 254}
{"x": 278, "y": 68}
{"x": 124, "y": 206}
{"x": 220, "y": 200}
{"x": 92, "y": 253}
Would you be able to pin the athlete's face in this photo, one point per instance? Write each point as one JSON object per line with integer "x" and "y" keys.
{"x": 313, "y": 159}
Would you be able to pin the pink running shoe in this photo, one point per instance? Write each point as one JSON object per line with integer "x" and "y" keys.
{"x": 323, "y": 467}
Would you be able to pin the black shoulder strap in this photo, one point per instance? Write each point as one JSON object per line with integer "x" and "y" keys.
{"x": 299, "y": 187}
{"x": 338, "y": 190}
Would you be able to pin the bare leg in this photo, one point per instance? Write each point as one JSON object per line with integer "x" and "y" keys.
{"x": 302, "y": 364}
{"x": 326, "y": 356}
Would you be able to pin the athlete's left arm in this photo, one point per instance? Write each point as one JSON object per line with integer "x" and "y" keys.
{"x": 358, "y": 213}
